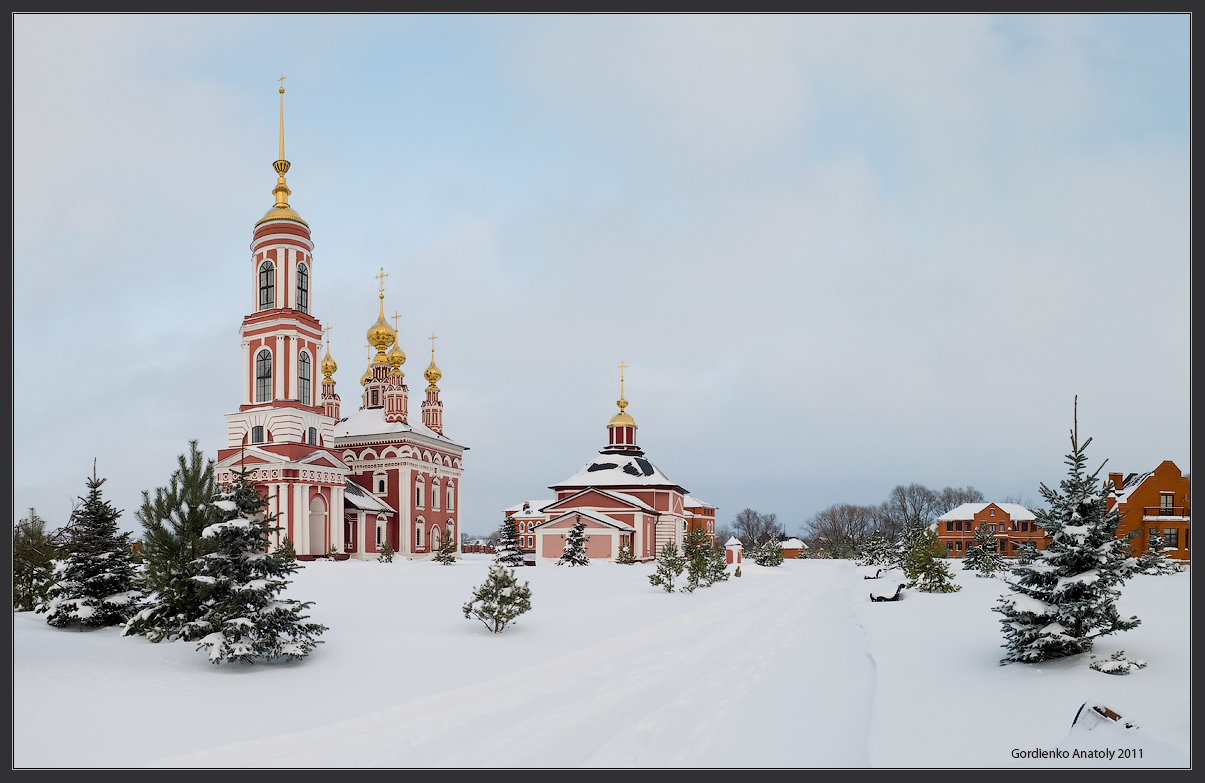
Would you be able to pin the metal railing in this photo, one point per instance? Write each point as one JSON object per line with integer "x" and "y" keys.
{"x": 1166, "y": 511}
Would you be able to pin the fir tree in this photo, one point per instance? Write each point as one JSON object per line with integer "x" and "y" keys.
{"x": 286, "y": 551}
{"x": 877, "y": 551}
{"x": 625, "y": 555}
{"x": 1067, "y": 597}
{"x": 670, "y": 565}
{"x": 705, "y": 564}
{"x": 34, "y": 553}
{"x": 925, "y": 565}
{"x": 1026, "y": 553}
{"x": 172, "y": 546}
{"x": 499, "y": 600}
{"x": 1155, "y": 561}
{"x": 508, "y": 552}
{"x": 574, "y": 551}
{"x": 386, "y": 555}
{"x": 95, "y": 584}
{"x": 768, "y": 553}
{"x": 445, "y": 551}
{"x": 983, "y": 556}
{"x": 247, "y": 620}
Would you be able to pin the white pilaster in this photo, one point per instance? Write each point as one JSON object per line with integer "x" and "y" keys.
{"x": 278, "y": 371}
{"x": 301, "y": 520}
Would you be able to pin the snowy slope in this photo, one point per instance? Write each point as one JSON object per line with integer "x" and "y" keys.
{"x": 781, "y": 667}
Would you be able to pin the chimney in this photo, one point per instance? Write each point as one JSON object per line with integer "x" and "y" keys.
{"x": 1118, "y": 479}
{"x": 526, "y": 506}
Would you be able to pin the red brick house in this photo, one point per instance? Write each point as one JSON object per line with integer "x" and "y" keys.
{"x": 1011, "y": 525}
{"x": 1159, "y": 500}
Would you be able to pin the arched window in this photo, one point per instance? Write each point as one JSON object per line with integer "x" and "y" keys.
{"x": 418, "y": 494}
{"x": 257, "y": 434}
{"x": 311, "y": 436}
{"x": 418, "y": 534}
{"x": 263, "y": 376}
{"x": 303, "y": 288}
{"x": 451, "y": 505}
{"x": 267, "y": 285}
{"x": 304, "y": 379}
{"x": 435, "y": 494}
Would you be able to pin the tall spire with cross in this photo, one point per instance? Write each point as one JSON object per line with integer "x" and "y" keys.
{"x": 621, "y": 430}
{"x": 381, "y": 334}
{"x": 281, "y": 191}
{"x": 433, "y": 407}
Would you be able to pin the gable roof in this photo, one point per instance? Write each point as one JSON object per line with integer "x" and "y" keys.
{"x": 967, "y": 511}
{"x": 592, "y": 515}
{"x": 617, "y": 470}
{"x": 369, "y": 422}
{"x": 622, "y": 497}
{"x": 357, "y": 497}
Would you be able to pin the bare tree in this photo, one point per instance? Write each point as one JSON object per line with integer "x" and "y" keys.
{"x": 753, "y": 528}
{"x": 953, "y": 497}
{"x": 840, "y": 529}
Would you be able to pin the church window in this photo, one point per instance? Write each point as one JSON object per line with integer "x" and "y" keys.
{"x": 418, "y": 494}
{"x": 374, "y": 397}
{"x": 267, "y": 285}
{"x": 303, "y": 378}
{"x": 257, "y": 434}
{"x": 451, "y": 505}
{"x": 418, "y": 537}
{"x": 303, "y": 288}
{"x": 435, "y": 495}
{"x": 311, "y": 436}
{"x": 263, "y": 376}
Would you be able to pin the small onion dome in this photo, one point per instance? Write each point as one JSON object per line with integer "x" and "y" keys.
{"x": 621, "y": 419}
{"x": 381, "y": 334}
{"x": 328, "y": 365}
{"x": 396, "y": 358}
{"x": 432, "y": 374}
{"x": 367, "y": 376}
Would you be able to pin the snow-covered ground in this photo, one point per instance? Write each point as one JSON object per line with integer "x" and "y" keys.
{"x": 785, "y": 667}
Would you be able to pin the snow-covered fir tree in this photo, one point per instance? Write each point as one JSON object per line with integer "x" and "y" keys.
{"x": 768, "y": 553}
{"x": 925, "y": 567}
{"x": 508, "y": 552}
{"x": 1066, "y": 597}
{"x": 247, "y": 619}
{"x": 670, "y": 565}
{"x": 499, "y": 600}
{"x": 35, "y": 551}
{"x": 574, "y": 551}
{"x": 95, "y": 584}
{"x": 385, "y": 555}
{"x": 705, "y": 565}
{"x": 445, "y": 550}
{"x": 1154, "y": 561}
{"x": 172, "y": 545}
{"x": 625, "y": 556}
{"x": 876, "y": 550}
{"x": 984, "y": 556}
{"x": 1026, "y": 552}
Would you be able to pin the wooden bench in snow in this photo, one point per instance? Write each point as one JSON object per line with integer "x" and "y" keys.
{"x": 877, "y": 574}
{"x": 879, "y": 598}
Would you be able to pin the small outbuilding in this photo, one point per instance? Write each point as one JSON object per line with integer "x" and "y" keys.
{"x": 732, "y": 551}
{"x": 793, "y": 549}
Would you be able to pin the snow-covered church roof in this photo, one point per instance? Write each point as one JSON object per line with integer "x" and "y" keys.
{"x": 357, "y": 497}
{"x": 617, "y": 470}
{"x": 367, "y": 422}
{"x": 967, "y": 511}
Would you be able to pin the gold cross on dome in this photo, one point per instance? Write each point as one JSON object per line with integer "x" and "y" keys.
{"x": 327, "y": 332}
{"x": 382, "y": 277}
{"x": 432, "y": 338}
{"x": 395, "y": 317}
{"x": 622, "y": 367}
{"x": 282, "y": 82}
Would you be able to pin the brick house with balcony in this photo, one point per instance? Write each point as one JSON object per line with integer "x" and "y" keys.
{"x": 1010, "y": 523}
{"x": 1159, "y": 500}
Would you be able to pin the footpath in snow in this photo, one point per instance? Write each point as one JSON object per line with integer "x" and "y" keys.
{"x": 786, "y": 667}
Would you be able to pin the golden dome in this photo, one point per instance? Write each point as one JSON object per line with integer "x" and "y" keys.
{"x": 367, "y": 376}
{"x": 432, "y": 373}
{"x": 381, "y": 334}
{"x": 623, "y": 418}
{"x": 396, "y": 357}
{"x": 328, "y": 365}
{"x": 282, "y": 213}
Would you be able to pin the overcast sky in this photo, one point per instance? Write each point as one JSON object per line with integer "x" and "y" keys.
{"x": 837, "y": 253}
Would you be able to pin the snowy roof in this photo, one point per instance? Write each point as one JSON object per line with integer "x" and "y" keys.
{"x": 1130, "y": 484}
{"x": 617, "y": 470}
{"x": 357, "y": 497}
{"x": 969, "y": 510}
{"x": 533, "y": 511}
{"x": 595, "y": 515}
{"x": 690, "y": 501}
{"x": 371, "y": 421}
{"x": 793, "y": 543}
{"x": 734, "y": 541}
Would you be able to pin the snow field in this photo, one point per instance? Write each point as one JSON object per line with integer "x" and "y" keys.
{"x": 782, "y": 667}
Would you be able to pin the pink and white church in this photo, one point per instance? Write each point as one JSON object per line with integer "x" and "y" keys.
{"x": 620, "y": 496}
{"x": 338, "y": 485}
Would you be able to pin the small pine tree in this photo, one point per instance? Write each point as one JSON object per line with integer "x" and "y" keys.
{"x": 876, "y": 550}
{"x": 95, "y": 584}
{"x": 925, "y": 566}
{"x": 1155, "y": 562}
{"x": 574, "y": 551}
{"x": 34, "y": 553}
{"x": 445, "y": 550}
{"x": 499, "y": 600}
{"x": 670, "y": 565}
{"x": 1026, "y": 553}
{"x": 694, "y": 552}
{"x": 286, "y": 551}
{"x": 386, "y": 555}
{"x": 983, "y": 556}
{"x": 247, "y": 619}
{"x": 172, "y": 545}
{"x": 1067, "y": 597}
{"x": 768, "y": 553}
{"x": 508, "y": 552}
{"x": 625, "y": 555}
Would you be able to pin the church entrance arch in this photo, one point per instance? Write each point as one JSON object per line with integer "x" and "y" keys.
{"x": 317, "y": 527}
